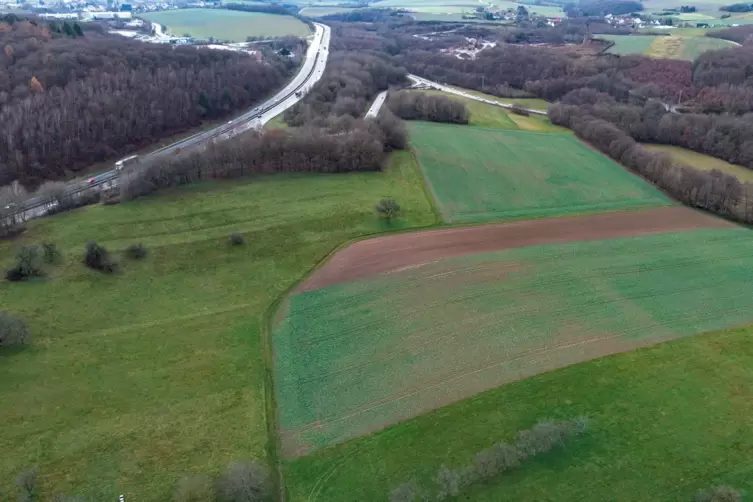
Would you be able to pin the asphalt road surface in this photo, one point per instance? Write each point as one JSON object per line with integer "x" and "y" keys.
{"x": 376, "y": 105}
{"x": 311, "y": 71}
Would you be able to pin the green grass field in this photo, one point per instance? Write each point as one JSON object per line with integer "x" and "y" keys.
{"x": 479, "y": 174}
{"x": 356, "y": 357}
{"x": 704, "y": 162}
{"x": 486, "y": 115}
{"x": 137, "y": 379}
{"x": 324, "y": 11}
{"x": 665, "y": 422}
{"x": 664, "y": 47}
{"x": 531, "y": 103}
{"x": 228, "y": 25}
{"x": 628, "y": 44}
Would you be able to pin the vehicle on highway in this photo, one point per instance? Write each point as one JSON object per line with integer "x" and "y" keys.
{"x": 133, "y": 159}
{"x": 298, "y": 94}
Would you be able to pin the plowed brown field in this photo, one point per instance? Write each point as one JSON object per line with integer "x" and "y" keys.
{"x": 392, "y": 253}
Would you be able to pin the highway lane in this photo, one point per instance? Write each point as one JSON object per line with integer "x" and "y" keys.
{"x": 310, "y": 72}
{"x": 376, "y": 105}
{"x": 444, "y": 88}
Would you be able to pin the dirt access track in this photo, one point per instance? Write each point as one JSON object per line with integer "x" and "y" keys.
{"x": 387, "y": 254}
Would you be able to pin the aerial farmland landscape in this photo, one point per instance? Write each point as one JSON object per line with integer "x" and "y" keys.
{"x": 405, "y": 250}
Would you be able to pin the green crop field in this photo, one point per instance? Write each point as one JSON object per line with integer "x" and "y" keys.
{"x": 479, "y": 174}
{"x": 665, "y": 422}
{"x": 356, "y": 357}
{"x": 704, "y": 162}
{"x": 137, "y": 379}
{"x": 227, "y": 25}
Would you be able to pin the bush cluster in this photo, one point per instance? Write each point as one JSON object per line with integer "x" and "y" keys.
{"x": 98, "y": 258}
{"x": 237, "y": 239}
{"x": 28, "y": 264}
{"x": 721, "y": 493}
{"x": 13, "y": 330}
{"x": 543, "y": 437}
{"x": 241, "y": 482}
{"x": 136, "y": 251}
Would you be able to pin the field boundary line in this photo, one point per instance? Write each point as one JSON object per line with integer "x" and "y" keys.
{"x": 267, "y": 343}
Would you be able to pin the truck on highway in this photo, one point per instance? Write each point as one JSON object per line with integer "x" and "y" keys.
{"x": 298, "y": 94}
{"x": 133, "y": 159}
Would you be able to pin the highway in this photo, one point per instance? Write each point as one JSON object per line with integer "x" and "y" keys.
{"x": 311, "y": 71}
{"x": 376, "y": 105}
{"x": 451, "y": 90}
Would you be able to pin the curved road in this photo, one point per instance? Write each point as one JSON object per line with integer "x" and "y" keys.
{"x": 309, "y": 74}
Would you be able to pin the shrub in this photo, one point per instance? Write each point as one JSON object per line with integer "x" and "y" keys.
{"x": 13, "y": 330}
{"x": 27, "y": 485}
{"x": 499, "y": 458}
{"x": 519, "y": 110}
{"x": 50, "y": 253}
{"x": 408, "y": 492}
{"x": 542, "y": 437}
{"x": 237, "y": 239}
{"x": 388, "y": 209}
{"x": 136, "y": 251}
{"x": 718, "y": 494}
{"x": 195, "y": 489}
{"x": 28, "y": 264}
{"x": 448, "y": 483}
{"x": 98, "y": 258}
{"x": 244, "y": 482}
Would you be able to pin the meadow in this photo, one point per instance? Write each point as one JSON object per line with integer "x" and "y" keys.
{"x": 486, "y": 115}
{"x": 227, "y": 25}
{"x": 704, "y": 162}
{"x": 666, "y": 421}
{"x": 481, "y": 174}
{"x": 664, "y": 47}
{"x": 139, "y": 378}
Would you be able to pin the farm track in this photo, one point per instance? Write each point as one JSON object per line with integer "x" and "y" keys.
{"x": 392, "y": 253}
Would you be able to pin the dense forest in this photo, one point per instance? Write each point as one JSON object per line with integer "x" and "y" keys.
{"x": 350, "y": 82}
{"x": 329, "y": 134}
{"x": 67, "y": 102}
{"x": 419, "y": 106}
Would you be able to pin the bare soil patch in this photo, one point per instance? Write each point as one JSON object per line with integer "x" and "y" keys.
{"x": 391, "y": 253}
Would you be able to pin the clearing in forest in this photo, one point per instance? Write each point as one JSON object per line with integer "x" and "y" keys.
{"x": 358, "y": 356}
{"x": 479, "y": 174}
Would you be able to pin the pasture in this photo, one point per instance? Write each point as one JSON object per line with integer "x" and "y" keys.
{"x": 361, "y": 355}
{"x": 666, "y": 421}
{"x": 139, "y": 378}
{"x": 227, "y": 25}
{"x": 704, "y": 162}
{"x": 479, "y": 174}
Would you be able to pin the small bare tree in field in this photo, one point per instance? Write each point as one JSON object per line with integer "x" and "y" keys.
{"x": 388, "y": 209}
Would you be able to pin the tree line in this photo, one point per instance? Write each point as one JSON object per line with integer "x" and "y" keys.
{"x": 341, "y": 145}
{"x": 713, "y": 191}
{"x": 412, "y": 105}
{"x": 67, "y": 103}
